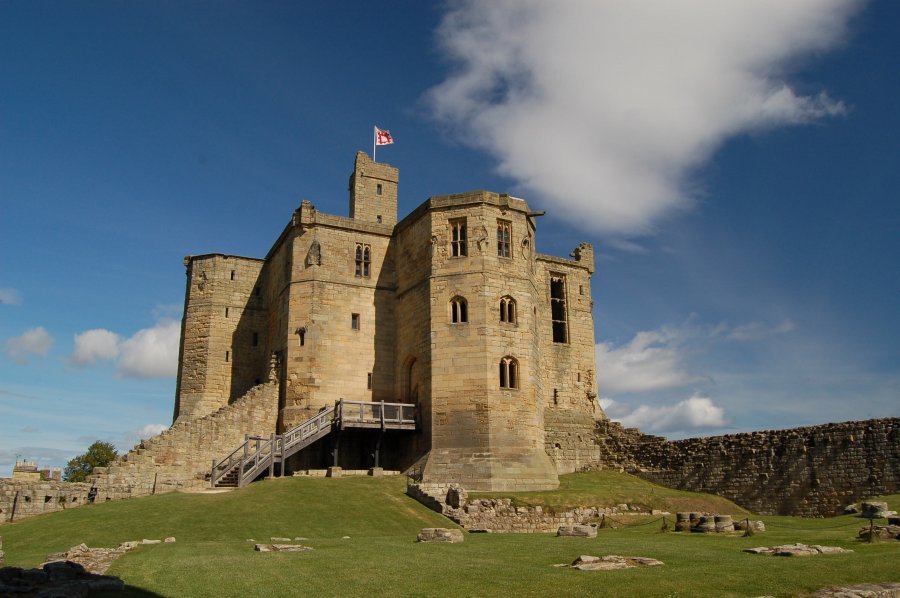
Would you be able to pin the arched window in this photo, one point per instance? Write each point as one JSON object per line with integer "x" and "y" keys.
{"x": 359, "y": 259}
{"x": 508, "y": 310}
{"x": 459, "y": 310}
{"x": 367, "y": 260}
{"x": 509, "y": 372}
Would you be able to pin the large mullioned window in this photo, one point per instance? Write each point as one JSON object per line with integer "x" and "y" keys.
{"x": 363, "y": 260}
{"x": 558, "y": 309}
{"x": 504, "y": 229}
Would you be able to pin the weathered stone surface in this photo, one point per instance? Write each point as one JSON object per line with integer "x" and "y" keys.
{"x": 812, "y": 471}
{"x": 797, "y": 550}
{"x": 584, "y": 531}
{"x": 94, "y": 560}
{"x": 169, "y": 540}
{"x": 876, "y": 510}
{"x": 865, "y": 590}
{"x": 611, "y": 562}
{"x": 457, "y": 496}
{"x": 884, "y": 532}
{"x": 440, "y": 534}
{"x": 755, "y": 525}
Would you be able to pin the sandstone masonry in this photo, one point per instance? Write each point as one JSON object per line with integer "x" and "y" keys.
{"x": 451, "y": 309}
{"x": 813, "y": 471}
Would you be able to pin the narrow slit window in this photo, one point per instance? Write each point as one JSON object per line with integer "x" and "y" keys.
{"x": 354, "y": 321}
{"x": 558, "y": 309}
{"x": 302, "y": 334}
{"x": 226, "y": 312}
{"x": 232, "y": 275}
{"x": 459, "y": 311}
{"x": 369, "y": 381}
{"x": 504, "y": 233}
{"x": 378, "y": 189}
{"x": 227, "y": 356}
{"x": 458, "y": 238}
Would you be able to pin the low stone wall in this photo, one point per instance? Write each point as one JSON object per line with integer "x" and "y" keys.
{"x": 499, "y": 515}
{"x": 21, "y": 499}
{"x": 811, "y": 472}
{"x": 181, "y": 456}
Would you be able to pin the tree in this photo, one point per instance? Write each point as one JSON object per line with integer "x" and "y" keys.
{"x": 99, "y": 454}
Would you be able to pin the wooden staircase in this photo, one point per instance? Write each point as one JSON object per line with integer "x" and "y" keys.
{"x": 258, "y": 454}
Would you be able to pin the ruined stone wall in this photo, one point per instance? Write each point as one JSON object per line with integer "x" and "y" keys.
{"x": 21, "y": 499}
{"x": 811, "y": 471}
{"x": 182, "y": 456}
{"x": 221, "y": 354}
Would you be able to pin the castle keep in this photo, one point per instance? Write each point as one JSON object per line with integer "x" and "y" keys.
{"x": 451, "y": 309}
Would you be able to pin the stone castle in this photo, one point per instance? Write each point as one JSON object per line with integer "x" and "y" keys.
{"x": 451, "y": 309}
{"x": 451, "y": 315}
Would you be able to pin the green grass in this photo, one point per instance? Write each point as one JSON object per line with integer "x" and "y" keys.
{"x": 213, "y": 558}
{"x": 608, "y": 488}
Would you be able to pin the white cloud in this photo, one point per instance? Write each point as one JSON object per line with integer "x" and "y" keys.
{"x": 695, "y": 413}
{"x": 148, "y": 353}
{"x": 755, "y": 331}
{"x": 652, "y": 360}
{"x": 151, "y": 352}
{"x": 606, "y": 109}
{"x": 95, "y": 345}
{"x": 151, "y": 430}
{"x": 10, "y": 297}
{"x": 35, "y": 341}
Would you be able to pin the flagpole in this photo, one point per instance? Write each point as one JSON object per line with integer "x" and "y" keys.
{"x": 374, "y": 141}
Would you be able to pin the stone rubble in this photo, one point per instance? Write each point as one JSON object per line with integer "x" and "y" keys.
{"x": 582, "y": 531}
{"x": 611, "y": 562}
{"x": 864, "y": 590}
{"x": 797, "y": 550}
{"x": 883, "y": 532}
{"x": 440, "y": 535}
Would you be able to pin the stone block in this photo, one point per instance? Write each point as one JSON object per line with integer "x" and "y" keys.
{"x": 440, "y": 535}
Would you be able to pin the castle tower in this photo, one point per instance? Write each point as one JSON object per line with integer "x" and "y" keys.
{"x": 373, "y": 191}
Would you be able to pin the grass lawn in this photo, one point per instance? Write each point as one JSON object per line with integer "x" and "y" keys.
{"x": 212, "y": 556}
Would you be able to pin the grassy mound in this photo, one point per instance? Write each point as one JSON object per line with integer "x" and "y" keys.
{"x": 212, "y": 556}
{"x": 608, "y": 489}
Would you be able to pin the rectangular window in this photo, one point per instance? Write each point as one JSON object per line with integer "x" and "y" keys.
{"x": 226, "y": 312}
{"x": 458, "y": 245}
{"x": 369, "y": 381}
{"x": 232, "y": 275}
{"x": 558, "y": 309}
{"x": 504, "y": 234}
{"x": 227, "y": 356}
{"x": 354, "y": 321}
{"x": 378, "y": 189}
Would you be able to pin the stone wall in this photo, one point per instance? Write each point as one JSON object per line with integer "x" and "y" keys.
{"x": 181, "y": 456}
{"x": 811, "y": 471}
{"x": 21, "y": 499}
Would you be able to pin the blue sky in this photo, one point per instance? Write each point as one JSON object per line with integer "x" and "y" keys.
{"x": 735, "y": 165}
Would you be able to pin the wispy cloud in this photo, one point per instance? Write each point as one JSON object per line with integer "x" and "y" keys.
{"x": 652, "y": 360}
{"x": 34, "y": 341}
{"x": 755, "y": 331}
{"x": 148, "y": 353}
{"x": 10, "y": 297}
{"x": 607, "y": 109}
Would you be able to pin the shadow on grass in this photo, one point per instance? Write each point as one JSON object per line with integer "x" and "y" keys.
{"x": 129, "y": 591}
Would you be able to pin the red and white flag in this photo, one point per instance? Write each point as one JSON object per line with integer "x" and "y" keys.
{"x": 383, "y": 137}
